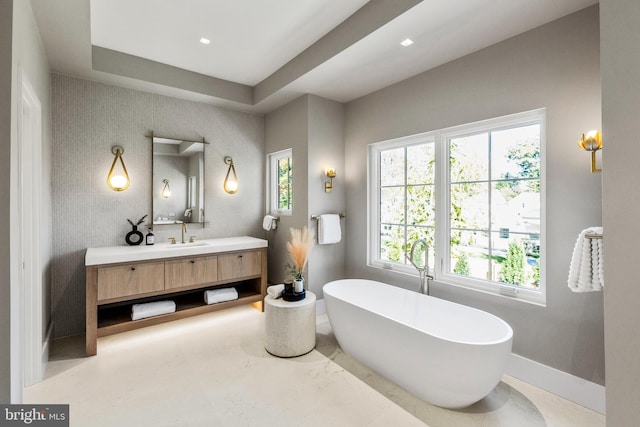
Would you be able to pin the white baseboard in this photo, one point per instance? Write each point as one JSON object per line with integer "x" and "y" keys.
{"x": 578, "y": 390}
{"x": 46, "y": 346}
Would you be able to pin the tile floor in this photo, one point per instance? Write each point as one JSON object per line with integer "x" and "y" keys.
{"x": 212, "y": 370}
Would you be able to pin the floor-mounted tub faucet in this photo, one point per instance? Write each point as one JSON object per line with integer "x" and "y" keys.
{"x": 424, "y": 270}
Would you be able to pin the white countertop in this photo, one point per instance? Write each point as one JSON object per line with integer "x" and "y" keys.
{"x": 115, "y": 254}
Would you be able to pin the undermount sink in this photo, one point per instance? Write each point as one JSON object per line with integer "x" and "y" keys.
{"x": 186, "y": 245}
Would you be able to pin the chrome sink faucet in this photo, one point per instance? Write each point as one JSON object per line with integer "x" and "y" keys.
{"x": 184, "y": 230}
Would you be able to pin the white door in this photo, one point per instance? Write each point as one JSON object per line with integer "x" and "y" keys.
{"x": 29, "y": 199}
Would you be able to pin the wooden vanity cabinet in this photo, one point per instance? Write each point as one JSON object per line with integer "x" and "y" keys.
{"x": 242, "y": 264}
{"x": 113, "y": 288}
{"x": 131, "y": 279}
{"x": 190, "y": 272}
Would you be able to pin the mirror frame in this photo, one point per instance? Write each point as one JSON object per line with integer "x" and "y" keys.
{"x": 153, "y": 137}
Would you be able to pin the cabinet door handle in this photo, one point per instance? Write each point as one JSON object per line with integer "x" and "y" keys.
{"x": 133, "y": 268}
{"x": 239, "y": 256}
{"x": 192, "y": 261}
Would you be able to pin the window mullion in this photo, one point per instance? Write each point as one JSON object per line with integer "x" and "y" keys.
{"x": 442, "y": 213}
{"x": 406, "y": 204}
{"x": 489, "y": 234}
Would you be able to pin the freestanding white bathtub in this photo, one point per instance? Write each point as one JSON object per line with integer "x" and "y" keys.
{"x": 447, "y": 354}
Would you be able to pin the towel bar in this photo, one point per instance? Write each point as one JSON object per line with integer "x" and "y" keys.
{"x": 593, "y": 236}
{"x": 315, "y": 217}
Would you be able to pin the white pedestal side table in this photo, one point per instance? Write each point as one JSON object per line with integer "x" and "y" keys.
{"x": 290, "y": 326}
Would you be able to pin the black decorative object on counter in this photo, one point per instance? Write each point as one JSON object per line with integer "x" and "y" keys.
{"x": 135, "y": 237}
{"x": 293, "y": 296}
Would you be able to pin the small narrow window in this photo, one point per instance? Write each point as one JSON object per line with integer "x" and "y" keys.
{"x": 280, "y": 165}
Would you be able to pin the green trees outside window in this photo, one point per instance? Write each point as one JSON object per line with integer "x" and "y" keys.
{"x": 472, "y": 191}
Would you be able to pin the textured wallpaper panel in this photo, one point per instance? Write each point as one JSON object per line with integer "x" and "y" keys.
{"x": 88, "y": 118}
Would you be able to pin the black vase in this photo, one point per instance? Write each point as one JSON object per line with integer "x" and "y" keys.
{"x": 134, "y": 237}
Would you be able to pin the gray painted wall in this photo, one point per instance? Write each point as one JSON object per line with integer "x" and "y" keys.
{"x": 554, "y": 66}
{"x": 89, "y": 118}
{"x": 287, "y": 127}
{"x": 326, "y": 149}
{"x": 313, "y": 128}
{"x": 620, "y": 61}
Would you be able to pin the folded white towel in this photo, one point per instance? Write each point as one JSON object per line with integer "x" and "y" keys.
{"x": 213, "y": 296}
{"x": 329, "y": 229}
{"x": 586, "y": 272}
{"x": 150, "y": 309}
{"x": 275, "y": 291}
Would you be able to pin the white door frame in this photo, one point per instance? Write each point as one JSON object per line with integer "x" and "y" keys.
{"x": 29, "y": 215}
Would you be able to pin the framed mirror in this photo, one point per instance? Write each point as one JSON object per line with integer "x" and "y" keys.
{"x": 177, "y": 181}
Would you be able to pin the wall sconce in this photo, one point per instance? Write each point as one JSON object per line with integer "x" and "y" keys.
{"x": 592, "y": 142}
{"x": 230, "y": 181}
{"x": 118, "y": 180}
{"x": 166, "y": 190}
{"x": 331, "y": 173}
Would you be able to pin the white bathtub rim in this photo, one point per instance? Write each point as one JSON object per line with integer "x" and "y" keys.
{"x": 508, "y": 336}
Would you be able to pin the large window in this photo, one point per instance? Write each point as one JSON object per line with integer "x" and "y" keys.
{"x": 280, "y": 182}
{"x": 473, "y": 192}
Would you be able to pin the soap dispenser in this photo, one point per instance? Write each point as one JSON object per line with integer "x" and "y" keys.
{"x": 149, "y": 238}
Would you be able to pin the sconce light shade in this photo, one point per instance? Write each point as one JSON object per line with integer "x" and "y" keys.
{"x": 118, "y": 180}
{"x": 328, "y": 186}
{"x": 592, "y": 142}
{"x": 166, "y": 190}
{"x": 231, "y": 180}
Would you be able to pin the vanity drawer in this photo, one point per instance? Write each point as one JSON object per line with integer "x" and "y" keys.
{"x": 239, "y": 265}
{"x": 133, "y": 279}
{"x": 190, "y": 271}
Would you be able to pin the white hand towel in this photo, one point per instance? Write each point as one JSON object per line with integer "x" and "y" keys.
{"x": 275, "y": 291}
{"x": 213, "y": 296}
{"x": 586, "y": 269}
{"x": 329, "y": 229}
{"x": 269, "y": 222}
{"x": 150, "y": 309}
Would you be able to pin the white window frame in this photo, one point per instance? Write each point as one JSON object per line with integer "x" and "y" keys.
{"x": 272, "y": 182}
{"x": 440, "y": 270}
{"x": 374, "y": 197}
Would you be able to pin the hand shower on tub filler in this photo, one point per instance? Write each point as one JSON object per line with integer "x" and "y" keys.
{"x": 424, "y": 270}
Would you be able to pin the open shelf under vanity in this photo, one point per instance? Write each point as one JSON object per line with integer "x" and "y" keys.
{"x": 116, "y": 317}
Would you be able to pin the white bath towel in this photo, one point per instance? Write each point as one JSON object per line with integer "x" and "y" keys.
{"x": 586, "y": 272}
{"x": 213, "y": 296}
{"x": 275, "y": 291}
{"x": 329, "y": 229}
{"x": 269, "y": 222}
{"x": 150, "y": 309}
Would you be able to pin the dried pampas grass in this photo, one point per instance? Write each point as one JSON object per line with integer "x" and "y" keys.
{"x": 299, "y": 246}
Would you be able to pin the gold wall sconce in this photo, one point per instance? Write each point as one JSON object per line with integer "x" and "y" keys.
{"x": 592, "y": 142}
{"x": 166, "y": 190}
{"x": 328, "y": 186}
{"x": 118, "y": 180}
{"x": 230, "y": 181}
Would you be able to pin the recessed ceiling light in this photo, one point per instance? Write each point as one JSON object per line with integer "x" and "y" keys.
{"x": 406, "y": 42}
{"x": 205, "y": 41}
